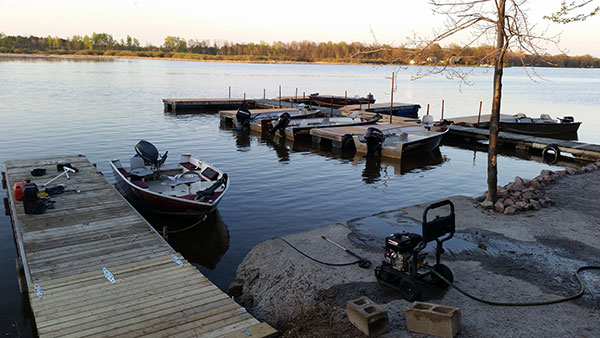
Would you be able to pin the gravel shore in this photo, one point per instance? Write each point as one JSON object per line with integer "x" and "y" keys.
{"x": 526, "y": 257}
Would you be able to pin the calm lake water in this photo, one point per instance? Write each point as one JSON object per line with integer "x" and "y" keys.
{"x": 103, "y": 108}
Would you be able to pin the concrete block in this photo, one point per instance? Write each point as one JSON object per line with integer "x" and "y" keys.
{"x": 367, "y": 316}
{"x": 433, "y": 319}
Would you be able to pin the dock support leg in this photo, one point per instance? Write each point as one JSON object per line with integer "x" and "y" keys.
{"x": 166, "y": 107}
{"x": 316, "y": 139}
{"x": 21, "y": 276}
{"x": 3, "y": 180}
{"x": 336, "y": 144}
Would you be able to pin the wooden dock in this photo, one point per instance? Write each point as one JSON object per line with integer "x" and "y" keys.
{"x": 92, "y": 266}
{"x": 179, "y": 106}
{"x": 341, "y": 137}
{"x": 579, "y": 150}
{"x": 382, "y": 108}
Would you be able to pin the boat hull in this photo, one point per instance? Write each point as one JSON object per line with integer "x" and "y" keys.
{"x": 339, "y": 101}
{"x": 541, "y": 129}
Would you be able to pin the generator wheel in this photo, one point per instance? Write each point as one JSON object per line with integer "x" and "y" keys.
{"x": 410, "y": 290}
{"x": 445, "y": 272}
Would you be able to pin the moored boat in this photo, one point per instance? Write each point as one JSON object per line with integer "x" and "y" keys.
{"x": 301, "y": 127}
{"x": 263, "y": 121}
{"x": 190, "y": 188}
{"x": 401, "y": 141}
{"x": 339, "y": 101}
{"x": 544, "y": 126}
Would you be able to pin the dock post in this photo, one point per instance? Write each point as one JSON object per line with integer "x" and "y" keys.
{"x": 264, "y": 94}
{"x": 346, "y": 98}
{"x": 296, "y": 98}
{"x": 279, "y": 96}
{"x": 391, "y": 99}
{"x": 442, "y": 118}
{"x": 369, "y": 102}
{"x": 229, "y": 91}
{"x": 479, "y": 116}
{"x": 244, "y": 98}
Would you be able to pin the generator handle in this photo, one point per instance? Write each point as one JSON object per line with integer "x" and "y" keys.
{"x": 437, "y": 205}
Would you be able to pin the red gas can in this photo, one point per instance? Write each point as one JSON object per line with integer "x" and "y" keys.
{"x": 18, "y": 190}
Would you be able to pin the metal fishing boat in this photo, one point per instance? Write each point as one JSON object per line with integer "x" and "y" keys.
{"x": 339, "y": 101}
{"x": 190, "y": 188}
{"x": 544, "y": 126}
{"x": 401, "y": 141}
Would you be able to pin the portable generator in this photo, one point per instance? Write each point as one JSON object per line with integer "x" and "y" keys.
{"x": 404, "y": 267}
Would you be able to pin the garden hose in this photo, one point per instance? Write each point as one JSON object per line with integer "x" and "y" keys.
{"x": 559, "y": 300}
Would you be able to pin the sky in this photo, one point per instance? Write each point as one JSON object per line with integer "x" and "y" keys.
{"x": 150, "y": 21}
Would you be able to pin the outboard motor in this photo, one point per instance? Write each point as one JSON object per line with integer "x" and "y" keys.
{"x": 149, "y": 153}
{"x": 567, "y": 119}
{"x": 243, "y": 117}
{"x": 374, "y": 138}
{"x": 282, "y": 122}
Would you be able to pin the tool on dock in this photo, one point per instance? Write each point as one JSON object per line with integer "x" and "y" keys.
{"x": 363, "y": 262}
{"x": 66, "y": 170}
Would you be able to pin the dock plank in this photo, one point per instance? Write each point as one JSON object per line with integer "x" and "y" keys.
{"x": 64, "y": 249}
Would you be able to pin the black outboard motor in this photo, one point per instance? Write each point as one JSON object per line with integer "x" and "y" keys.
{"x": 243, "y": 117}
{"x": 374, "y": 138}
{"x": 282, "y": 122}
{"x": 149, "y": 153}
{"x": 567, "y": 119}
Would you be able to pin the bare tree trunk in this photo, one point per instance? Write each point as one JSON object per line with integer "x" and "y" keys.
{"x": 494, "y": 119}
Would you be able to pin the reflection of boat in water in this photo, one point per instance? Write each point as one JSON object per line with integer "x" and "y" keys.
{"x": 544, "y": 126}
{"x": 373, "y": 166}
{"x": 201, "y": 244}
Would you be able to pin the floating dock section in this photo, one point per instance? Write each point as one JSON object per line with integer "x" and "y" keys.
{"x": 179, "y": 106}
{"x": 92, "y": 266}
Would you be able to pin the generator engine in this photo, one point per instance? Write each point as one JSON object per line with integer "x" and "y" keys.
{"x": 399, "y": 250}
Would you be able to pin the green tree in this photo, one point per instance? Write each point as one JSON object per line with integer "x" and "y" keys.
{"x": 174, "y": 44}
{"x": 570, "y": 12}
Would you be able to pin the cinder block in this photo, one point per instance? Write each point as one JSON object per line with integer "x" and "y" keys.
{"x": 433, "y": 319}
{"x": 367, "y": 316}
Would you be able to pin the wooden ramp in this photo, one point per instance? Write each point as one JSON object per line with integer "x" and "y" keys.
{"x": 94, "y": 267}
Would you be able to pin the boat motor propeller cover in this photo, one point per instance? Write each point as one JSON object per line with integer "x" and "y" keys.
{"x": 149, "y": 153}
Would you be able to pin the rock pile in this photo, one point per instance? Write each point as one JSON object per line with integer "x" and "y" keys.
{"x": 527, "y": 194}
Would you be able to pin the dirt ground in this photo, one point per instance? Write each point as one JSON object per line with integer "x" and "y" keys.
{"x": 527, "y": 257}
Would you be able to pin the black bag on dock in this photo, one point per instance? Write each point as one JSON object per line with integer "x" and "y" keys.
{"x": 31, "y": 202}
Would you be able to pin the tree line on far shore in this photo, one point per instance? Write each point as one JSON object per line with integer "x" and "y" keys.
{"x": 303, "y": 51}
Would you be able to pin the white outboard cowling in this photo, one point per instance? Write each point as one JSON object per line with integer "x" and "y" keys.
{"x": 428, "y": 120}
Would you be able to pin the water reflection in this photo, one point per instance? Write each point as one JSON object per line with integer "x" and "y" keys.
{"x": 242, "y": 140}
{"x": 402, "y": 166}
{"x": 200, "y": 242}
{"x": 281, "y": 147}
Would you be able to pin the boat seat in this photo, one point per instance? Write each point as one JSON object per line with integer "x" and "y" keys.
{"x": 123, "y": 172}
{"x": 138, "y": 168}
{"x": 188, "y": 165}
{"x": 140, "y": 184}
{"x": 210, "y": 174}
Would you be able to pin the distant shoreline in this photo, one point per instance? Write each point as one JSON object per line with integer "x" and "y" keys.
{"x": 104, "y": 57}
